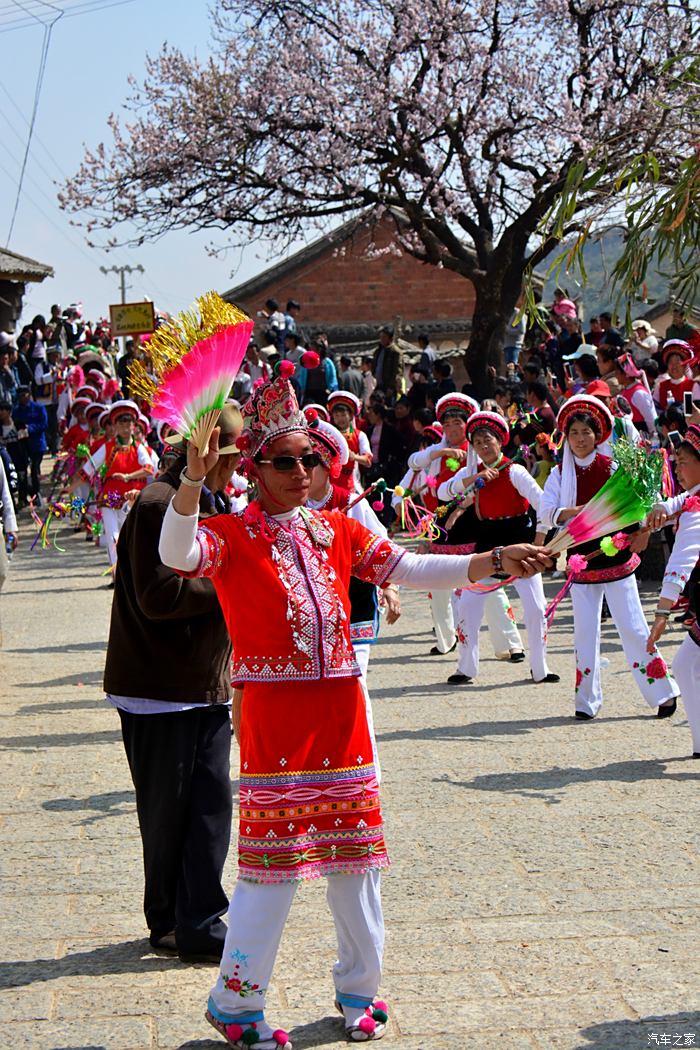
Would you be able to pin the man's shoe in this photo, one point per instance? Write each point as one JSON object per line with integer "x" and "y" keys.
{"x": 438, "y": 652}
{"x": 164, "y": 945}
{"x": 583, "y": 715}
{"x": 551, "y": 677}
{"x": 459, "y": 679}
{"x": 517, "y": 657}
{"x": 666, "y": 710}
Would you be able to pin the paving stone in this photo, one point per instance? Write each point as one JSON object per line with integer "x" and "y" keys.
{"x": 545, "y": 889}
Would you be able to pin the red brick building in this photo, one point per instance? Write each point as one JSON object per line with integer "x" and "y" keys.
{"x": 355, "y": 279}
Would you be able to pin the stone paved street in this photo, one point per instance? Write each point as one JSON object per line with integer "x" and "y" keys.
{"x": 545, "y": 892}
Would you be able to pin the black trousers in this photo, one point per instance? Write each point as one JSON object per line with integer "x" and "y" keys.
{"x": 179, "y": 764}
{"x": 52, "y": 429}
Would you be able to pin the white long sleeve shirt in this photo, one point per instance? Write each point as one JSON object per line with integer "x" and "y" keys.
{"x": 521, "y": 481}
{"x": 686, "y": 548}
{"x": 644, "y": 403}
{"x": 179, "y": 549}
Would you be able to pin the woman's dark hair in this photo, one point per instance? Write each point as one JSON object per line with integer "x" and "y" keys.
{"x": 378, "y": 407}
{"x": 609, "y": 353}
{"x": 588, "y": 367}
{"x": 39, "y": 322}
{"x": 539, "y": 389}
{"x": 486, "y": 430}
{"x": 455, "y": 413}
{"x": 674, "y": 419}
{"x": 424, "y": 416}
{"x": 586, "y": 418}
{"x": 651, "y": 368}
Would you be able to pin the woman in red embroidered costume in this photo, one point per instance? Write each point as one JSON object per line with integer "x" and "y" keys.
{"x": 503, "y": 495}
{"x": 309, "y": 798}
{"x": 587, "y": 423}
{"x": 683, "y": 560}
{"x": 677, "y": 356}
{"x": 344, "y": 408}
{"x": 123, "y": 465}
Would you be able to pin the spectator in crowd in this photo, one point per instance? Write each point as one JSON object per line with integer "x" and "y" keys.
{"x": 387, "y": 365}
{"x": 594, "y": 336}
{"x": 676, "y": 357}
{"x": 127, "y": 358}
{"x": 46, "y": 378}
{"x": 679, "y": 327}
{"x": 315, "y": 384}
{"x": 606, "y": 357}
{"x": 446, "y": 384}
{"x": 8, "y": 378}
{"x": 403, "y": 421}
{"x": 428, "y": 354}
{"x": 19, "y": 361}
{"x": 275, "y": 323}
{"x": 515, "y": 337}
{"x": 417, "y": 393}
{"x": 290, "y": 318}
{"x": 32, "y": 423}
{"x": 611, "y": 336}
{"x": 293, "y": 349}
{"x": 388, "y": 449}
{"x": 16, "y": 449}
{"x": 538, "y": 400}
{"x": 350, "y": 379}
{"x": 563, "y": 306}
{"x": 643, "y": 342}
{"x": 368, "y": 380}
{"x": 255, "y": 365}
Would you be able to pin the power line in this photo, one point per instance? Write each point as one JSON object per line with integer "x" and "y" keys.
{"x": 48, "y": 29}
{"x": 9, "y": 24}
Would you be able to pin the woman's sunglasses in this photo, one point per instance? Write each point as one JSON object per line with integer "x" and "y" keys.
{"x": 286, "y": 463}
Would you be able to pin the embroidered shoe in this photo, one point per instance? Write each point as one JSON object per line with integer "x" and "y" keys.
{"x": 666, "y": 710}
{"x": 372, "y": 1025}
{"x": 242, "y": 1038}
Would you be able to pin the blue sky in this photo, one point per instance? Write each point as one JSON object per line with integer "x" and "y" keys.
{"x": 90, "y": 58}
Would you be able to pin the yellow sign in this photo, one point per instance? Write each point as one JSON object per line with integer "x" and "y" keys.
{"x": 132, "y": 318}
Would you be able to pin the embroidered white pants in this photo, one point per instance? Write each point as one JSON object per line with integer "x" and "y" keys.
{"x": 256, "y": 918}
{"x": 470, "y": 607}
{"x": 686, "y": 668}
{"x": 362, "y": 655}
{"x": 503, "y": 629}
{"x": 649, "y": 671}
{"x": 112, "y": 521}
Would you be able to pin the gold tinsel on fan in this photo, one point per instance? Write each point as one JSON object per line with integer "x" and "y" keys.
{"x": 173, "y": 340}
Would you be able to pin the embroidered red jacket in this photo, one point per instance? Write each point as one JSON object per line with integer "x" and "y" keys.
{"x": 283, "y": 589}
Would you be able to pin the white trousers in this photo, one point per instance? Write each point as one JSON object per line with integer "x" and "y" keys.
{"x": 686, "y": 668}
{"x": 362, "y": 655}
{"x": 503, "y": 629}
{"x": 649, "y": 671}
{"x": 256, "y": 918}
{"x": 112, "y": 521}
{"x": 470, "y": 607}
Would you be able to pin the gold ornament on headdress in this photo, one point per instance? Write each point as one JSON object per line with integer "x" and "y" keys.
{"x": 169, "y": 343}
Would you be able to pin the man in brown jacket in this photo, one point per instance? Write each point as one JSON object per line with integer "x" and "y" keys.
{"x": 167, "y": 673}
{"x": 387, "y": 365}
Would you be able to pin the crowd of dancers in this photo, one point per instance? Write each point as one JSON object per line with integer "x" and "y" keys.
{"x": 284, "y": 540}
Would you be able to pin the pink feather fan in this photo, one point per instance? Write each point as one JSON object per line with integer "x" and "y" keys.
{"x": 194, "y": 385}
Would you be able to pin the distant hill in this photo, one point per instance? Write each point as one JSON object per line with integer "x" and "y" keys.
{"x": 596, "y": 295}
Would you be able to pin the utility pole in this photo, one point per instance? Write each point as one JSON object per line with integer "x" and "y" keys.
{"x": 122, "y": 271}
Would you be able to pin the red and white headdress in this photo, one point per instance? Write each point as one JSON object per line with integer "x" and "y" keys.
{"x": 346, "y": 399}
{"x": 271, "y": 412}
{"x": 489, "y": 421}
{"x": 330, "y": 445}
{"x": 85, "y": 391}
{"x": 455, "y": 402}
{"x": 95, "y": 408}
{"x": 692, "y": 436}
{"x": 312, "y": 411}
{"x": 433, "y": 430}
{"x": 80, "y": 402}
{"x": 677, "y": 346}
{"x": 96, "y": 376}
{"x": 600, "y": 414}
{"x": 123, "y": 408}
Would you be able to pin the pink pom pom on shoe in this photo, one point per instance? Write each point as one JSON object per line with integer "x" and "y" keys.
{"x": 281, "y": 1036}
{"x": 367, "y": 1024}
{"x": 233, "y": 1032}
{"x": 381, "y": 1005}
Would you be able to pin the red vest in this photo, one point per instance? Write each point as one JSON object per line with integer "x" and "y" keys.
{"x": 670, "y": 391}
{"x": 74, "y": 436}
{"x": 120, "y": 459}
{"x": 628, "y": 393}
{"x": 445, "y": 474}
{"x": 591, "y": 479}
{"x": 499, "y": 498}
{"x": 346, "y": 479}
